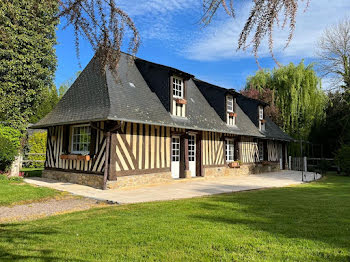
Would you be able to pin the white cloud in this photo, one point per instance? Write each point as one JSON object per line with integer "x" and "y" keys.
{"x": 155, "y": 18}
{"x": 220, "y": 40}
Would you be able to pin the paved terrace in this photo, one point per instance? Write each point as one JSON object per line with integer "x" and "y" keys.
{"x": 180, "y": 189}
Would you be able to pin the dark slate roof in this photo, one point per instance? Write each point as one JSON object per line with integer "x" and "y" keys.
{"x": 272, "y": 131}
{"x": 133, "y": 94}
{"x": 86, "y": 100}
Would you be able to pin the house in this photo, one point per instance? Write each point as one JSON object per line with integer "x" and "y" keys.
{"x": 149, "y": 123}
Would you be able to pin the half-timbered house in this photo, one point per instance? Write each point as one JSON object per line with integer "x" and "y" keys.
{"x": 148, "y": 123}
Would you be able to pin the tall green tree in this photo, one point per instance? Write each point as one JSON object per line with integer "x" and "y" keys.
{"x": 27, "y": 57}
{"x": 334, "y": 130}
{"x": 297, "y": 94}
{"x": 49, "y": 99}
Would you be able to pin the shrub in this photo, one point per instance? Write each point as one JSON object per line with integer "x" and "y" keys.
{"x": 9, "y": 146}
{"x": 343, "y": 159}
{"x": 37, "y": 144}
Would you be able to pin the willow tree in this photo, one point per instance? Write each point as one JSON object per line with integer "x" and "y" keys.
{"x": 297, "y": 95}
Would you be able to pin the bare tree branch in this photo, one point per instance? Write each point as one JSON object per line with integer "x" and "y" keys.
{"x": 89, "y": 19}
{"x": 333, "y": 50}
{"x": 261, "y": 21}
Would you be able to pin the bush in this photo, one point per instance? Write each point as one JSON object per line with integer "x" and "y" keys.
{"x": 343, "y": 159}
{"x": 9, "y": 146}
{"x": 37, "y": 144}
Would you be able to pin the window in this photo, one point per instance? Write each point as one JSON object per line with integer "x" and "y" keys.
{"x": 191, "y": 148}
{"x": 231, "y": 120}
{"x": 261, "y": 151}
{"x": 261, "y": 119}
{"x": 175, "y": 150}
{"x": 261, "y": 113}
{"x": 230, "y": 150}
{"x": 229, "y": 102}
{"x": 178, "y": 87}
{"x": 81, "y": 137}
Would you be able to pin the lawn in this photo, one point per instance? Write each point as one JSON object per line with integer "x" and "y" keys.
{"x": 310, "y": 222}
{"x": 16, "y": 192}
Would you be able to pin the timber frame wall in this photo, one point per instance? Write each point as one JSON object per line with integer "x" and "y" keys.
{"x": 145, "y": 149}
{"x": 58, "y": 139}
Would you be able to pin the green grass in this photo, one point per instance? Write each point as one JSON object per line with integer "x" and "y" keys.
{"x": 310, "y": 222}
{"x": 32, "y": 172}
{"x": 17, "y": 192}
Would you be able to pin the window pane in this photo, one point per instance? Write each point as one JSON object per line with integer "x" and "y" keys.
{"x": 229, "y": 103}
{"x": 230, "y": 150}
{"x": 81, "y": 139}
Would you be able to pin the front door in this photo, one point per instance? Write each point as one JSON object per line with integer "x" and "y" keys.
{"x": 175, "y": 157}
{"x": 192, "y": 154}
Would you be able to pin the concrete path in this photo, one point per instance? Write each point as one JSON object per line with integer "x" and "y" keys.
{"x": 187, "y": 189}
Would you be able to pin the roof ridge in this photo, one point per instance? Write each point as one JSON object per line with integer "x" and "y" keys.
{"x": 215, "y": 86}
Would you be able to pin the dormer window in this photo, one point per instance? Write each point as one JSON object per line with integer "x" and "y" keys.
{"x": 178, "y": 87}
{"x": 261, "y": 113}
{"x": 178, "y": 92}
{"x": 261, "y": 119}
{"x": 229, "y": 104}
{"x": 230, "y": 111}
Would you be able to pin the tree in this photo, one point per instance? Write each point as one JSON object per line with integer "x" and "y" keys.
{"x": 296, "y": 93}
{"x": 48, "y": 100}
{"x": 334, "y": 53}
{"x": 66, "y": 84}
{"x": 333, "y": 131}
{"x": 267, "y": 95}
{"x": 27, "y": 57}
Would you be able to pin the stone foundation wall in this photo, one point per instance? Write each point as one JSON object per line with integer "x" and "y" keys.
{"x": 140, "y": 180}
{"x": 86, "y": 179}
{"x": 245, "y": 169}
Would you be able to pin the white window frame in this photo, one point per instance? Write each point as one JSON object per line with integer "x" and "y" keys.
{"x": 73, "y": 143}
{"x": 178, "y": 87}
{"x": 229, "y": 104}
{"x": 261, "y": 113}
{"x": 230, "y": 152}
{"x": 175, "y": 149}
{"x": 192, "y": 148}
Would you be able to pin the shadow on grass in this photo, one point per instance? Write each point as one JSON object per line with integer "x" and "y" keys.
{"x": 315, "y": 211}
{"x": 13, "y": 235}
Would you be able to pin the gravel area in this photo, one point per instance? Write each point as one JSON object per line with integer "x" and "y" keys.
{"x": 46, "y": 208}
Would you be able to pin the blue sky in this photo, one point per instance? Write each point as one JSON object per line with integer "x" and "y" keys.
{"x": 172, "y": 35}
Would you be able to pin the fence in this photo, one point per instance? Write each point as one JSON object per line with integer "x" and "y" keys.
{"x": 298, "y": 163}
{"x": 322, "y": 165}
{"x": 314, "y": 165}
{"x": 31, "y": 158}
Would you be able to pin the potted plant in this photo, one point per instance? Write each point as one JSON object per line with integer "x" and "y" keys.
{"x": 234, "y": 164}
{"x": 181, "y": 101}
